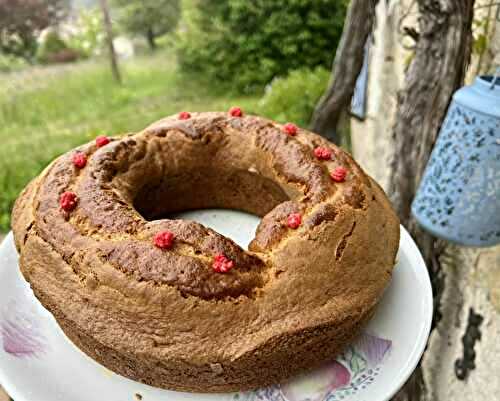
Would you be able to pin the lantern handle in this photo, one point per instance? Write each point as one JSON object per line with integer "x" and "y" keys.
{"x": 495, "y": 76}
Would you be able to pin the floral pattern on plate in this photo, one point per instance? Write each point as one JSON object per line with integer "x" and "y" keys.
{"x": 354, "y": 369}
{"x": 20, "y": 330}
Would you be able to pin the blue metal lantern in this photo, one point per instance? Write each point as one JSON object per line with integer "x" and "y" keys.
{"x": 459, "y": 195}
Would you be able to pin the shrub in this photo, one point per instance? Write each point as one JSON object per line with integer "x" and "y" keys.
{"x": 51, "y": 47}
{"x": 86, "y": 35}
{"x": 11, "y": 63}
{"x": 22, "y": 20}
{"x": 293, "y": 97}
{"x": 250, "y": 42}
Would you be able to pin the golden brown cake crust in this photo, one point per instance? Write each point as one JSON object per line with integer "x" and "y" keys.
{"x": 165, "y": 317}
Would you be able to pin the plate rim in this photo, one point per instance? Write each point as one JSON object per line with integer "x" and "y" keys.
{"x": 415, "y": 254}
{"x": 418, "y": 265}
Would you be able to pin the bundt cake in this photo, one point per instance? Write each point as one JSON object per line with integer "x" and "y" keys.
{"x": 176, "y": 305}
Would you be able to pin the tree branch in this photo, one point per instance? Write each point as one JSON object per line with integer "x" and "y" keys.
{"x": 109, "y": 39}
{"x": 487, "y": 6}
{"x": 346, "y": 68}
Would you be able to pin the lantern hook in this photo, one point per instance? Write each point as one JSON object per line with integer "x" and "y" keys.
{"x": 495, "y": 77}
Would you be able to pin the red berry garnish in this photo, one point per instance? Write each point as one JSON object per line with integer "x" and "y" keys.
{"x": 236, "y": 112}
{"x": 68, "y": 201}
{"x": 290, "y": 129}
{"x": 338, "y": 175}
{"x": 79, "y": 160}
{"x": 222, "y": 264}
{"x": 322, "y": 153}
{"x": 101, "y": 141}
{"x": 294, "y": 220}
{"x": 164, "y": 239}
{"x": 184, "y": 115}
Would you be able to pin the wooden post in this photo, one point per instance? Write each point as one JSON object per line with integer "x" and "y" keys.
{"x": 109, "y": 39}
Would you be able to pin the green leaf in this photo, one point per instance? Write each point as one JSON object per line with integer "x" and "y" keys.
{"x": 357, "y": 363}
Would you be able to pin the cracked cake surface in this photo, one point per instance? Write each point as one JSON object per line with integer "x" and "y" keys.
{"x": 174, "y": 304}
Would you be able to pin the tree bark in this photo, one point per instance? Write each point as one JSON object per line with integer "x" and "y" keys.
{"x": 436, "y": 72}
{"x": 151, "y": 38}
{"x": 346, "y": 67}
{"x": 438, "y": 69}
{"x": 109, "y": 39}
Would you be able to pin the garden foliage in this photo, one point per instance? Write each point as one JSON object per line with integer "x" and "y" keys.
{"x": 248, "y": 43}
{"x": 148, "y": 18}
{"x": 304, "y": 86}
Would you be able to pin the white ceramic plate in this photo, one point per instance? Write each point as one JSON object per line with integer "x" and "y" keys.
{"x": 38, "y": 363}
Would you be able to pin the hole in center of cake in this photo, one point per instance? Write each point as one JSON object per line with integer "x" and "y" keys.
{"x": 208, "y": 188}
{"x": 237, "y": 225}
{"x": 228, "y": 201}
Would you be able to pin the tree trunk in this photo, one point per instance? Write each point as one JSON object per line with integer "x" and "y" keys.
{"x": 442, "y": 54}
{"x": 109, "y": 39}
{"x": 151, "y": 38}
{"x": 438, "y": 69}
{"x": 346, "y": 68}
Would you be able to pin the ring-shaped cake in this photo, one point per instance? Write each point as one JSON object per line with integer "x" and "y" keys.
{"x": 176, "y": 305}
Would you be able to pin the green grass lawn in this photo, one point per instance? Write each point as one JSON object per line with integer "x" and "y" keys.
{"x": 47, "y": 111}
